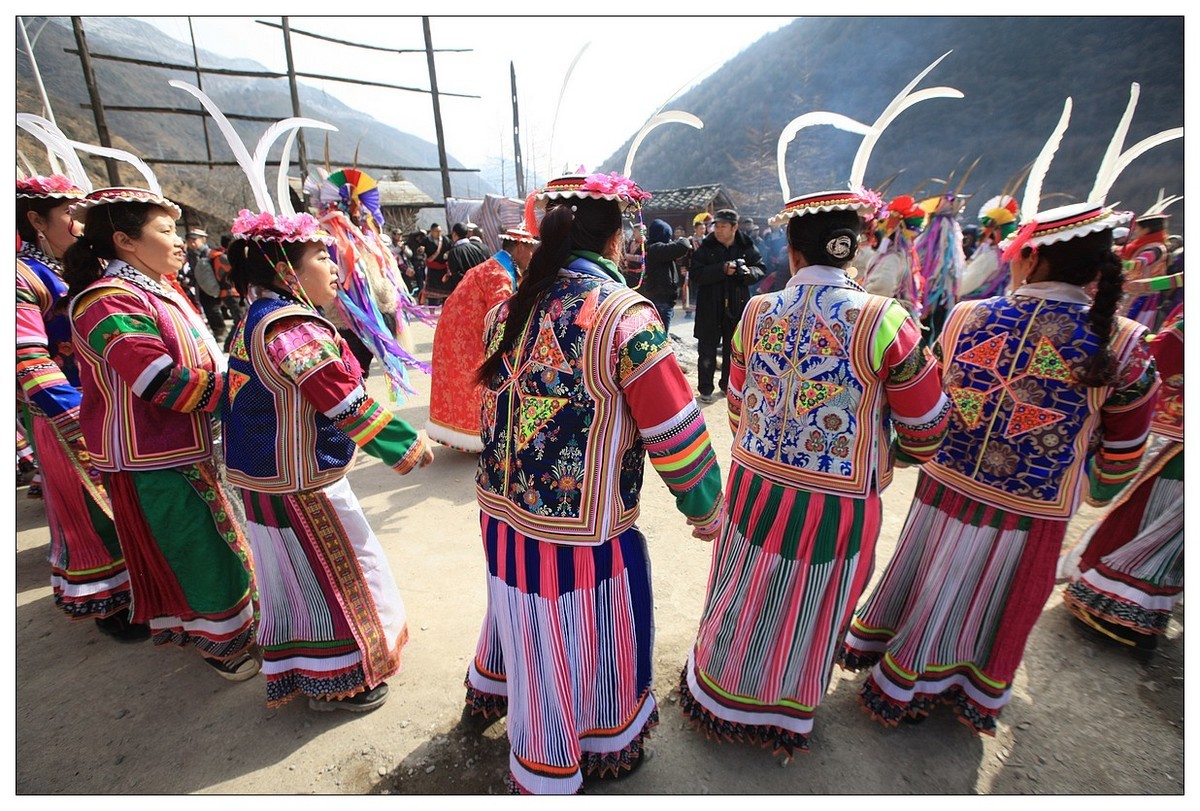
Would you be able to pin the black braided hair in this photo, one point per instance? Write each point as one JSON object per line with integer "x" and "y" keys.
{"x": 252, "y": 262}
{"x": 573, "y": 224}
{"x": 1080, "y": 261}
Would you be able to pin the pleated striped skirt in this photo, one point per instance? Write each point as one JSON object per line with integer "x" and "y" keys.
{"x": 331, "y": 619}
{"x": 87, "y": 567}
{"x": 189, "y": 566}
{"x": 568, "y": 641}
{"x": 786, "y": 574}
{"x": 953, "y": 610}
{"x": 1130, "y": 568}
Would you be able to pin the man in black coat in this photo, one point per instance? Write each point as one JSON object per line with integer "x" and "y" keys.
{"x": 661, "y": 283}
{"x": 722, "y": 269}
{"x": 464, "y": 255}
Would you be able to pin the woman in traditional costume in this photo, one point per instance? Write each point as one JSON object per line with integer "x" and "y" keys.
{"x": 331, "y": 620}
{"x": 580, "y": 383}
{"x": 985, "y": 275}
{"x": 1036, "y": 378}
{"x": 1146, "y": 256}
{"x": 895, "y": 270}
{"x": 456, "y": 395}
{"x": 1126, "y": 574}
{"x": 87, "y": 568}
{"x": 152, "y": 375}
{"x": 822, "y": 373}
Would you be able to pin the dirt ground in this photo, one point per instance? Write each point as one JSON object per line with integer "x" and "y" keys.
{"x": 93, "y": 716}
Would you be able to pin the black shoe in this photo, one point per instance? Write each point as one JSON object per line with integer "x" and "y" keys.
{"x": 1142, "y": 646}
{"x": 121, "y": 629}
{"x": 362, "y": 702}
{"x": 239, "y": 668}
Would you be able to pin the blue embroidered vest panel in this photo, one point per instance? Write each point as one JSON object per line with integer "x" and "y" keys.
{"x": 58, "y": 323}
{"x": 1020, "y": 425}
{"x": 562, "y": 458}
{"x": 275, "y": 441}
{"x": 814, "y": 415}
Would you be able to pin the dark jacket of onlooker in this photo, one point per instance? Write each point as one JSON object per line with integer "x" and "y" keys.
{"x": 721, "y": 297}
{"x": 662, "y": 280}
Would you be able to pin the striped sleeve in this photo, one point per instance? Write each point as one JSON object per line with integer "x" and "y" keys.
{"x": 913, "y": 386}
{"x": 309, "y": 354}
{"x": 735, "y": 392}
{"x": 120, "y": 327}
{"x": 40, "y": 378}
{"x": 671, "y": 425}
{"x": 1125, "y": 423}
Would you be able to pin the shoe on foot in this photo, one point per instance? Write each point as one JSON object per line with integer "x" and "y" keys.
{"x": 361, "y": 702}
{"x": 121, "y": 629}
{"x": 707, "y": 398}
{"x": 241, "y": 667}
{"x": 1142, "y": 646}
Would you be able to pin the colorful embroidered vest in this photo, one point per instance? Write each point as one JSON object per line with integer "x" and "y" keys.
{"x": 275, "y": 441}
{"x": 1020, "y": 425}
{"x": 125, "y": 432}
{"x": 1168, "y": 413}
{"x": 814, "y": 413}
{"x": 50, "y": 289}
{"x": 562, "y": 458}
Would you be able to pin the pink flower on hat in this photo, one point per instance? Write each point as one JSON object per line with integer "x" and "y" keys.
{"x": 278, "y": 228}
{"x": 47, "y": 185}
{"x": 614, "y": 183}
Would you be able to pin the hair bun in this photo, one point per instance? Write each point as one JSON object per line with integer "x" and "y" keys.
{"x": 841, "y": 244}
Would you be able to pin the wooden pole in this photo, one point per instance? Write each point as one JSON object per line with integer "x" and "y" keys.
{"x": 291, "y": 68}
{"x": 437, "y": 112}
{"x": 89, "y": 77}
{"x": 518, "y": 168}
{"x": 196, "y": 59}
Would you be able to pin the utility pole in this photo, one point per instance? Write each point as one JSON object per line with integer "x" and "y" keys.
{"x": 291, "y": 69}
{"x": 89, "y": 77}
{"x": 519, "y": 169}
{"x": 437, "y": 112}
{"x": 203, "y": 120}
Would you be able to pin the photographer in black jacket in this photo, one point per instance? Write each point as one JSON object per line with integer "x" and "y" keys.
{"x": 661, "y": 284}
{"x": 722, "y": 269}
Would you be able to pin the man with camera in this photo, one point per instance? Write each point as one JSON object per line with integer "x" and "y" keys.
{"x": 723, "y": 267}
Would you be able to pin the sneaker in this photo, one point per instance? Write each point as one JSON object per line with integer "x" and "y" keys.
{"x": 241, "y": 667}
{"x": 707, "y": 398}
{"x": 362, "y": 702}
{"x": 121, "y": 629}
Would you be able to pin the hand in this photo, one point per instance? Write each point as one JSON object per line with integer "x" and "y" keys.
{"x": 426, "y": 457}
{"x": 730, "y": 268}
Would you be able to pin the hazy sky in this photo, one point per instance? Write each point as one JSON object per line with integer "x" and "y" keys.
{"x": 631, "y": 67}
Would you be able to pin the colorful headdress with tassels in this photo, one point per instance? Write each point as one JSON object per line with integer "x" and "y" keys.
{"x": 348, "y": 204}
{"x": 266, "y": 225}
{"x": 67, "y": 150}
{"x": 1001, "y": 213}
{"x": 1080, "y": 219}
